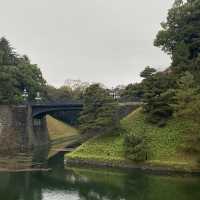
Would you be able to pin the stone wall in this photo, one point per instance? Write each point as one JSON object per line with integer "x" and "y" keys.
{"x": 17, "y": 128}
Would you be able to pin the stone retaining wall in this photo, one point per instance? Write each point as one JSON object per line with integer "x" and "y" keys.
{"x": 17, "y": 128}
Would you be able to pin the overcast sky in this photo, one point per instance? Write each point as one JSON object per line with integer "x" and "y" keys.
{"x": 108, "y": 41}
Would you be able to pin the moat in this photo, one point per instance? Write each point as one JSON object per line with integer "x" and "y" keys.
{"x": 67, "y": 183}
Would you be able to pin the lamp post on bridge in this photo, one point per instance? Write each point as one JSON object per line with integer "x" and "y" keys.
{"x": 38, "y": 98}
{"x": 25, "y": 95}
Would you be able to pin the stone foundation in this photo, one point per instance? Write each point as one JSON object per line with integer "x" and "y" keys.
{"x": 19, "y": 130}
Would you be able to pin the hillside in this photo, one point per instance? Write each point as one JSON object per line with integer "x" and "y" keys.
{"x": 164, "y": 144}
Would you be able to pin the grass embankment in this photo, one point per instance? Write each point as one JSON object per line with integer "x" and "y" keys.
{"x": 164, "y": 146}
{"x": 59, "y": 131}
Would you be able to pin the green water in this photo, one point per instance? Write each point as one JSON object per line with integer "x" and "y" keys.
{"x": 95, "y": 184}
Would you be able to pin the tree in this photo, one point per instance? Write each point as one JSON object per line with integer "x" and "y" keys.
{"x": 147, "y": 72}
{"x": 180, "y": 35}
{"x": 17, "y": 74}
{"x": 30, "y": 77}
{"x": 50, "y": 93}
{"x": 186, "y": 95}
{"x": 158, "y": 96}
{"x": 99, "y": 111}
{"x": 187, "y": 107}
{"x": 135, "y": 147}
{"x": 7, "y": 54}
{"x": 62, "y": 94}
{"x": 78, "y": 88}
{"x": 9, "y": 85}
{"x": 133, "y": 92}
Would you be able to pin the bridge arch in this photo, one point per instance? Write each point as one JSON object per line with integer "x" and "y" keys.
{"x": 39, "y": 110}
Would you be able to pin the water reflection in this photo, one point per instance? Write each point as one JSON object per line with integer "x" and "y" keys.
{"x": 117, "y": 185}
{"x": 89, "y": 184}
{"x": 29, "y": 159}
{"x": 24, "y": 159}
{"x": 95, "y": 184}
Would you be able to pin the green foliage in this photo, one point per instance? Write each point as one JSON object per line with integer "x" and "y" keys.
{"x": 187, "y": 106}
{"x": 99, "y": 111}
{"x": 9, "y": 84}
{"x": 187, "y": 97}
{"x": 30, "y": 77}
{"x": 16, "y": 74}
{"x": 62, "y": 94}
{"x": 156, "y": 91}
{"x": 7, "y": 54}
{"x": 163, "y": 144}
{"x": 133, "y": 92}
{"x": 105, "y": 148}
{"x": 158, "y": 98}
{"x": 147, "y": 72}
{"x": 72, "y": 90}
{"x": 180, "y": 34}
{"x": 180, "y": 37}
{"x": 135, "y": 147}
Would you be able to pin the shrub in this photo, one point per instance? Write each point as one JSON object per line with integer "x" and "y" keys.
{"x": 135, "y": 147}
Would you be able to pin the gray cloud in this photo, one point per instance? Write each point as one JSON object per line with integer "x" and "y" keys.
{"x": 107, "y": 41}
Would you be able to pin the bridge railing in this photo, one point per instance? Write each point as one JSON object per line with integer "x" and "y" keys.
{"x": 55, "y": 103}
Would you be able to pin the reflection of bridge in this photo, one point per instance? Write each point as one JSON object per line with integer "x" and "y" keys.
{"x": 39, "y": 110}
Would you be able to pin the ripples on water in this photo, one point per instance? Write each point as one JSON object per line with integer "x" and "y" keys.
{"x": 85, "y": 183}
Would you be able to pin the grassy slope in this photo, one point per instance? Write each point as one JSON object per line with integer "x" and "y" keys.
{"x": 104, "y": 148}
{"x": 59, "y": 130}
{"x": 164, "y": 143}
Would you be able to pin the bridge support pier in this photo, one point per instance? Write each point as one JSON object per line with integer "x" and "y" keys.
{"x": 19, "y": 130}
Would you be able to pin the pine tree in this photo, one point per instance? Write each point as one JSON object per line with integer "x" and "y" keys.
{"x": 158, "y": 95}
{"x": 180, "y": 35}
{"x": 99, "y": 111}
{"x": 7, "y": 54}
{"x": 187, "y": 107}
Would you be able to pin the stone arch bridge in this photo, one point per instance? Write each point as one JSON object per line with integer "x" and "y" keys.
{"x": 39, "y": 110}
{"x": 24, "y": 126}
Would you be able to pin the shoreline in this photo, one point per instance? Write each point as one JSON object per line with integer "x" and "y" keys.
{"x": 145, "y": 167}
{"x": 25, "y": 170}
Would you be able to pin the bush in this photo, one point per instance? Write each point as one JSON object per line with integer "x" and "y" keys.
{"x": 135, "y": 147}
